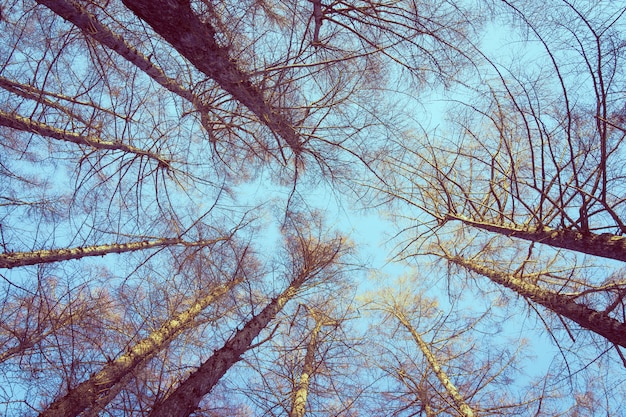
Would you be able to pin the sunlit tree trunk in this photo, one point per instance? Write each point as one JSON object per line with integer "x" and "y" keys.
{"x": 18, "y": 122}
{"x": 15, "y": 259}
{"x": 186, "y": 397}
{"x": 565, "y": 305}
{"x": 463, "y": 408}
{"x": 604, "y": 245}
{"x": 302, "y": 390}
{"x": 310, "y": 259}
{"x": 87, "y": 393}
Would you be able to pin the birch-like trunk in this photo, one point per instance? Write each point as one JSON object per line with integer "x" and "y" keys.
{"x": 463, "y": 408}
{"x": 565, "y": 305}
{"x": 15, "y": 121}
{"x": 16, "y": 259}
{"x": 92, "y": 391}
{"x": 29, "y": 92}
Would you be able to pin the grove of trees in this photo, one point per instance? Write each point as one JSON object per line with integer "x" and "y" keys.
{"x": 190, "y": 194}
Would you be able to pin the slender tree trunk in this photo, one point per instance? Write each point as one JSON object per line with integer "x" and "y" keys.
{"x": 605, "y": 245}
{"x": 185, "y": 399}
{"x": 299, "y": 400}
{"x": 562, "y": 304}
{"x": 17, "y": 122}
{"x": 176, "y": 22}
{"x": 15, "y": 259}
{"x": 89, "y": 24}
{"x": 29, "y": 92}
{"x": 90, "y": 392}
{"x": 464, "y": 409}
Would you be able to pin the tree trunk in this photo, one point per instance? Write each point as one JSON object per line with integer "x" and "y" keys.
{"x": 88, "y": 393}
{"x": 176, "y": 22}
{"x": 564, "y": 305}
{"x": 18, "y": 122}
{"x": 185, "y": 399}
{"x": 16, "y": 259}
{"x": 299, "y": 400}
{"x": 90, "y": 25}
{"x": 604, "y": 245}
{"x": 464, "y": 409}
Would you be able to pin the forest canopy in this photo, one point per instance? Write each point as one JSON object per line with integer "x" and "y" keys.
{"x": 312, "y": 207}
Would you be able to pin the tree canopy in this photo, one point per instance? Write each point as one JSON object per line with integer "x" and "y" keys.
{"x": 315, "y": 207}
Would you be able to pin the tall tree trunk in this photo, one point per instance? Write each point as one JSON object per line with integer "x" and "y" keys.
{"x": 562, "y": 304}
{"x": 604, "y": 245}
{"x": 185, "y": 399}
{"x": 15, "y": 121}
{"x": 299, "y": 400}
{"x": 196, "y": 40}
{"x": 89, "y": 24}
{"x": 90, "y": 392}
{"x": 463, "y": 408}
{"x": 16, "y": 259}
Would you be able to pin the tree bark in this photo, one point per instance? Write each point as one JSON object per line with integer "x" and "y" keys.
{"x": 185, "y": 399}
{"x": 604, "y": 245}
{"x": 16, "y": 259}
{"x": 463, "y": 408}
{"x": 176, "y": 22}
{"x": 299, "y": 400}
{"x": 89, "y": 392}
{"x": 564, "y": 305}
{"x": 18, "y": 122}
{"x": 89, "y": 24}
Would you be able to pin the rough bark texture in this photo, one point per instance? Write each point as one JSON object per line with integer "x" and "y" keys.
{"x": 195, "y": 40}
{"x": 299, "y": 400}
{"x": 462, "y": 407}
{"x": 89, "y": 24}
{"x": 564, "y": 305}
{"x": 16, "y": 259}
{"x": 185, "y": 399}
{"x": 17, "y": 122}
{"x": 604, "y": 245}
{"x": 88, "y": 393}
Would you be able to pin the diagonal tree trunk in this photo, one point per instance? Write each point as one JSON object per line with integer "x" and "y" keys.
{"x": 18, "y": 122}
{"x": 89, "y": 24}
{"x": 90, "y": 392}
{"x": 16, "y": 259}
{"x": 604, "y": 245}
{"x": 565, "y": 305}
{"x": 29, "y": 92}
{"x": 194, "y": 39}
{"x": 185, "y": 399}
{"x": 463, "y": 408}
{"x": 309, "y": 259}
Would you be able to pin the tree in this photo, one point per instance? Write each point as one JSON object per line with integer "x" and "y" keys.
{"x": 298, "y": 405}
{"x": 112, "y": 374}
{"x": 154, "y": 156}
{"x": 434, "y": 361}
{"x": 515, "y": 168}
{"x": 314, "y": 363}
{"x": 310, "y": 260}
